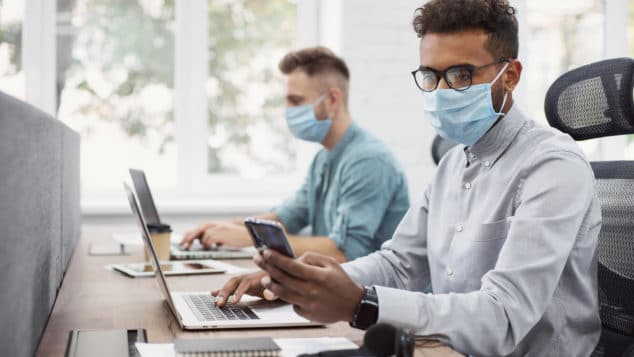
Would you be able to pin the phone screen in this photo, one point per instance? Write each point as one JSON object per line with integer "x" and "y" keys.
{"x": 269, "y": 235}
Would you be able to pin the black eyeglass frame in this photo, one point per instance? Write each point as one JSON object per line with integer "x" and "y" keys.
{"x": 443, "y": 74}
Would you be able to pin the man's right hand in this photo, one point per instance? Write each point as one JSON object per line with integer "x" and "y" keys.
{"x": 191, "y": 236}
{"x": 219, "y": 233}
{"x": 243, "y": 284}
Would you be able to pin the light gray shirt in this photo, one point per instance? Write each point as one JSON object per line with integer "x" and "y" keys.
{"x": 499, "y": 255}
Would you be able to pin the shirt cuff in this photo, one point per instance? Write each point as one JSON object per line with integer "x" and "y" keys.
{"x": 403, "y": 309}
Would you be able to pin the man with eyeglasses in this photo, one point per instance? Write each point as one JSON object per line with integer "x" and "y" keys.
{"x": 354, "y": 194}
{"x": 498, "y": 258}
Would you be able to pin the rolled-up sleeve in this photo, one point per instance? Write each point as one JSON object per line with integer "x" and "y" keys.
{"x": 555, "y": 197}
{"x": 367, "y": 188}
{"x": 293, "y": 213}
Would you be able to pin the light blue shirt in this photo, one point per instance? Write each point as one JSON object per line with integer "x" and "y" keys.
{"x": 498, "y": 257}
{"x": 356, "y": 194}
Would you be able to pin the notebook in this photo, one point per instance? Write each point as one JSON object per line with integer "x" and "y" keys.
{"x": 209, "y": 347}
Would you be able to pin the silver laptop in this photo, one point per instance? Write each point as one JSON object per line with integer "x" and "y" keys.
{"x": 196, "y": 251}
{"x": 197, "y": 311}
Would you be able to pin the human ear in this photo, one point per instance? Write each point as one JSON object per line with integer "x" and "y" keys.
{"x": 332, "y": 101}
{"x": 512, "y": 75}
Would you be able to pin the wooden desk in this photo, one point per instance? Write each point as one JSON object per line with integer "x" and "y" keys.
{"x": 93, "y": 298}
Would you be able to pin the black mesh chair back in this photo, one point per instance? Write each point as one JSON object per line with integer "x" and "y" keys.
{"x": 594, "y": 100}
{"x": 439, "y": 147}
{"x": 590, "y": 102}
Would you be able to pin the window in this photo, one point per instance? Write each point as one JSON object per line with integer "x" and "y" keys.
{"x": 115, "y": 64}
{"x": 125, "y": 67}
{"x": 11, "y": 73}
{"x": 245, "y": 93}
{"x": 562, "y": 35}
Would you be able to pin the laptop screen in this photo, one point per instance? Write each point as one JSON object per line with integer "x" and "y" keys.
{"x": 145, "y": 197}
{"x": 148, "y": 245}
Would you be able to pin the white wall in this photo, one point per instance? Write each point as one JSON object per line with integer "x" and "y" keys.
{"x": 380, "y": 46}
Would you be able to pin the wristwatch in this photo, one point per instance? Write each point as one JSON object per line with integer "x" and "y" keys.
{"x": 367, "y": 312}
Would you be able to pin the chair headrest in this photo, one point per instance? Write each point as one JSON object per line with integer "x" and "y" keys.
{"x": 439, "y": 147}
{"x": 594, "y": 100}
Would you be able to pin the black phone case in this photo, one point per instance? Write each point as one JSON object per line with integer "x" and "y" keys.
{"x": 268, "y": 234}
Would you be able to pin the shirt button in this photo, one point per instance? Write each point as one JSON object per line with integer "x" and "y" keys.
{"x": 459, "y": 228}
{"x": 487, "y": 163}
{"x": 467, "y": 185}
{"x": 450, "y": 271}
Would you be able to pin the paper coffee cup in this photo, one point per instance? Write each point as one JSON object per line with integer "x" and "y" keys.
{"x": 160, "y": 234}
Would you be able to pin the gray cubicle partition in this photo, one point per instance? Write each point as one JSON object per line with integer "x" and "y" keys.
{"x": 39, "y": 219}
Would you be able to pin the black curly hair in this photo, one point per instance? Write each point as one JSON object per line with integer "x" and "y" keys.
{"x": 494, "y": 17}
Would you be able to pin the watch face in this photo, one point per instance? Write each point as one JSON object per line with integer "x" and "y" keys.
{"x": 368, "y": 315}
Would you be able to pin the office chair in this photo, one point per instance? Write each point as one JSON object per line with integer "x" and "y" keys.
{"x": 439, "y": 147}
{"x": 595, "y": 101}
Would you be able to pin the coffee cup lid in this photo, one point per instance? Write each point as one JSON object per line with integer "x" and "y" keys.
{"x": 159, "y": 228}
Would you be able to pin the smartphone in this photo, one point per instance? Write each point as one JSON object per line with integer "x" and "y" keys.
{"x": 268, "y": 235}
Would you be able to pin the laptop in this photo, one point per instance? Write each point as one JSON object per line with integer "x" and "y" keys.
{"x": 197, "y": 311}
{"x": 196, "y": 251}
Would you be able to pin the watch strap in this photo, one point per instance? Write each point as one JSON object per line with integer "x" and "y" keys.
{"x": 367, "y": 312}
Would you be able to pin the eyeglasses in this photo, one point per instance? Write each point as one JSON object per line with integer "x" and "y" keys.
{"x": 457, "y": 77}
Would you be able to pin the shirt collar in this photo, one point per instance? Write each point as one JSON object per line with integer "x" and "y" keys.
{"x": 350, "y": 134}
{"x": 493, "y": 144}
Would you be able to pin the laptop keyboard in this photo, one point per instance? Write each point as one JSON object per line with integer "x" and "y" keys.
{"x": 205, "y": 310}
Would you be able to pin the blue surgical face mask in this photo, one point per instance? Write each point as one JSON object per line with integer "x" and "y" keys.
{"x": 303, "y": 123}
{"x": 462, "y": 116}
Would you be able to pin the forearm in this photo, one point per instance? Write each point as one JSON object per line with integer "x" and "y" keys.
{"x": 321, "y": 245}
{"x": 443, "y": 317}
{"x": 267, "y": 216}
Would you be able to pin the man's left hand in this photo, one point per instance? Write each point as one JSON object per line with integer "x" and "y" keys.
{"x": 316, "y": 285}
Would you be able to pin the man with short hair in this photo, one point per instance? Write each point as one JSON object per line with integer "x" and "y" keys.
{"x": 498, "y": 257}
{"x": 354, "y": 194}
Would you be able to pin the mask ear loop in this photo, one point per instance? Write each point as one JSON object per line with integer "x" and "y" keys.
{"x": 500, "y": 113}
{"x": 319, "y": 100}
{"x": 321, "y": 97}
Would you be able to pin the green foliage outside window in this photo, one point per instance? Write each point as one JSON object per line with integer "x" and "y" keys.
{"x": 132, "y": 44}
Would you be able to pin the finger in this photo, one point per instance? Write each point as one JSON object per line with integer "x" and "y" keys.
{"x": 282, "y": 292}
{"x": 318, "y": 260}
{"x": 269, "y": 295}
{"x": 205, "y": 242}
{"x": 226, "y": 291}
{"x": 291, "y": 266}
{"x": 191, "y": 236}
{"x": 246, "y": 285}
{"x": 257, "y": 259}
{"x": 288, "y": 281}
{"x": 208, "y": 240}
